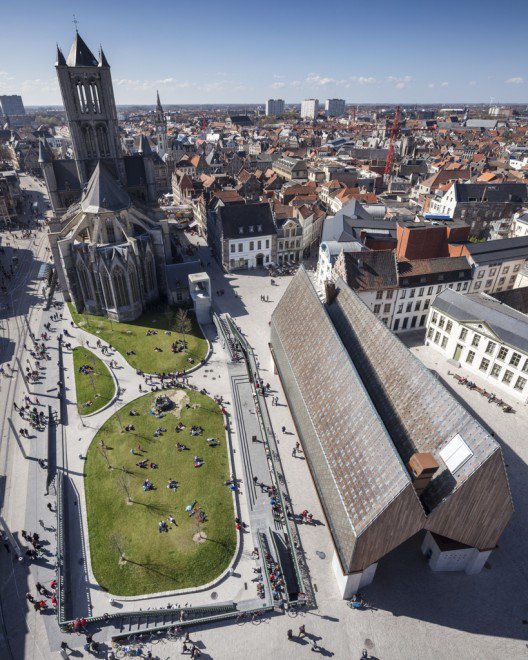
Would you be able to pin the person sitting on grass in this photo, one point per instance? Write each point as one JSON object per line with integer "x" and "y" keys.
{"x": 198, "y": 462}
{"x": 133, "y": 413}
{"x": 148, "y": 485}
{"x": 212, "y": 441}
{"x": 87, "y": 404}
{"x": 181, "y": 447}
{"x": 172, "y": 484}
{"x": 130, "y": 427}
{"x": 142, "y": 464}
{"x": 162, "y": 527}
{"x": 153, "y": 466}
{"x": 171, "y": 520}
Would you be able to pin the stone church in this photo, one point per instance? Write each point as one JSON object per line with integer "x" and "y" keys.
{"x": 111, "y": 257}
{"x": 88, "y": 96}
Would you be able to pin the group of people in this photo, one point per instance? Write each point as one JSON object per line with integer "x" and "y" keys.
{"x": 40, "y": 604}
{"x": 163, "y": 526}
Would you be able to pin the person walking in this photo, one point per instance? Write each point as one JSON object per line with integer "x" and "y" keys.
{"x": 294, "y": 452}
{"x": 302, "y": 631}
{"x": 289, "y": 634}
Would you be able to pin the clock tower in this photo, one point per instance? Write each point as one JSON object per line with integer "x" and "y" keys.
{"x": 161, "y": 129}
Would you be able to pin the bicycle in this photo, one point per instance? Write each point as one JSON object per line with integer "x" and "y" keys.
{"x": 242, "y": 618}
{"x": 174, "y": 633}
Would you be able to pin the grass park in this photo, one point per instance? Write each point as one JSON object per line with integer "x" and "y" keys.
{"x": 129, "y": 555}
{"x": 94, "y": 384}
{"x": 139, "y": 349}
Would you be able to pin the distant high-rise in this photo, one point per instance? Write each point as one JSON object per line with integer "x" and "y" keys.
{"x": 335, "y": 107}
{"x": 11, "y": 105}
{"x": 309, "y": 108}
{"x": 274, "y": 107}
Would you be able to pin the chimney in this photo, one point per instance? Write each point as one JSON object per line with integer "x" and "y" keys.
{"x": 422, "y": 467}
{"x": 330, "y": 291}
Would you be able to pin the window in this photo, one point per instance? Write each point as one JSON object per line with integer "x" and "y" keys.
{"x": 449, "y": 326}
{"x": 525, "y": 367}
{"x": 120, "y": 287}
{"x": 430, "y": 291}
{"x": 417, "y": 306}
{"x": 389, "y": 294}
{"x": 404, "y": 324}
{"x": 437, "y": 337}
{"x": 240, "y": 247}
{"x": 480, "y": 274}
{"x": 512, "y": 279}
{"x": 377, "y": 309}
{"x": 490, "y": 347}
{"x": 508, "y": 375}
{"x": 386, "y": 308}
{"x": 439, "y": 288}
{"x": 441, "y": 322}
{"x": 520, "y": 383}
{"x": 421, "y": 292}
{"x": 463, "y": 333}
{"x": 492, "y": 272}
{"x": 396, "y": 324}
{"x": 251, "y": 245}
{"x": 259, "y": 227}
{"x": 488, "y": 284}
{"x": 484, "y": 364}
{"x": 409, "y": 307}
{"x": 241, "y": 230}
{"x": 502, "y": 280}
{"x": 232, "y": 246}
{"x": 515, "y": 359}
{"x": 251, "y": 229}
{"x": 267, "y": 243}
{"x": 505, "y": 270}
{"x": 426, "y": 304}
{"x": 422, "y": 320}
{"x": 495, "y": 371}
{"x": 477, "y": 285}
{"x": 502, "y": 353}
{"x": 464, "y": 286}
{"x": 400, "y": 310}
{"x": 435, "y": 317}
{"x": 259, "y": 245}
{"x": 458, "y": 286}
{"x": 516, "y": 268}
{"x": 444, "y": 342}
{"x": 476, "y": 340}
{"x": 385, "y": 320}
{"x": 379, "y": 295}
{"x": 430, "y": 333}
{"x": 403, "y": 294}
{"x": 411, "y": 293}
{"x": 470, "y": 357}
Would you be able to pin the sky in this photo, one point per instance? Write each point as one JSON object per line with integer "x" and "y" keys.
{"x": 233, "y": 51}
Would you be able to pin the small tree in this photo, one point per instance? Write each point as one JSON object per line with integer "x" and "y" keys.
{"x": 182, "y": 322}
{"x": 123, "y": 481}
{"x": 103, "y": 450}
{"x": 117, "y": 544}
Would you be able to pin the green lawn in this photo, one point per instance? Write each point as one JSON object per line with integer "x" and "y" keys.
{"x": 132, "y": 337}
{"x": 98, "y": 388}
{"x": 170, "y": 560}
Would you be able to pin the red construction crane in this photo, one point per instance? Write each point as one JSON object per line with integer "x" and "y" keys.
{"x": 390, "y": 154}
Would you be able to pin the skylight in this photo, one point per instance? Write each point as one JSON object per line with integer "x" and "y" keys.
{"x": 455, "y": 453}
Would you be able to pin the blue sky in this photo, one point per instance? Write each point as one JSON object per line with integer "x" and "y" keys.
{"x": 246, "y": 51}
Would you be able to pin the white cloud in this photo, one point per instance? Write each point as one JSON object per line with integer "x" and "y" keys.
{"x": 472, "y": 83}
{"x": 364, "y": 80}
{"x": 295, "y": 83}
{"x": 514, "y": 81}
{"x": 444, "y": 84}
{"x": 319, "y": 81}
{"x": 278, "y": 77}
{"x": 278, "y": 85}
{"x": 400, "y": 82}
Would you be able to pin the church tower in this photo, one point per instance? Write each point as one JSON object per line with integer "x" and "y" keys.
{"x": 88, "y": 96}
{"x": 161, "y": 129}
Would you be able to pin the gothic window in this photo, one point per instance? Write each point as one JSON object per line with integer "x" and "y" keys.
{"x": 132, "y": 276}
{"x": 150, "y": 272}
{"x": 102, "y": 141}
{"x": 107, "y": 291}
{"x": 84, "y": 280}
{"x": 120, "y": 287}
{"x": 89, "y": 141}
{"x": 95, "y": 97}
{"x": 110, "y": 231}
{"x": 81, "y": 98}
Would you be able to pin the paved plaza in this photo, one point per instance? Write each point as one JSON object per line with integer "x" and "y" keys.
{"x": 415, "y": 613}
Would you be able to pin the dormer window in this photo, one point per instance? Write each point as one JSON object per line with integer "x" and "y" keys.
{"x": 241, "y": 230}
{"x": 259, "y": 227}
{"x": 251, "y": 229}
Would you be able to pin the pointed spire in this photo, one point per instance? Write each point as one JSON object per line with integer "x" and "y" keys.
{"x": 102, "y": 58}
{"x": 45, "y": 155}
{"x": 60, "y": 61}
{"x": 144, "y": 145}
{"x": 158, "y": 102}
{"x": 80, "y": 54}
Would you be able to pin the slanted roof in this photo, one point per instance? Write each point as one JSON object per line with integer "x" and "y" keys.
{"x": 80, "y": 54}
{"x": 502, "y": 249}
{"x": 238, "y": 219}
{"x": 510, "y": 326}
{"x": 103, "y": 193}
{"x": 516, "y": 298}
{"x": 370, "y": 270}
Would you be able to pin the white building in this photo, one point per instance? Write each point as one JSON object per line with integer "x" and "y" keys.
{"x": 484, "y": 336}
{"x": 309, "y": 108}
{"x": 274, "y": 107}
{"x": 497, "y": 264}
{"x": 329, "y": 251}
{"x": 335, "y": 107}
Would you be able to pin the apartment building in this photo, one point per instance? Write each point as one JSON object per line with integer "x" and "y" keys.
{"x": 485, "y": 336}
{"x": 309, "y": 108}
{"x": 274, "y": 107}
{"x": 496, "y": 264}
{"x": 335, "y": 107}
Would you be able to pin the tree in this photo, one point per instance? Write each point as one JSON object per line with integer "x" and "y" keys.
{"x": 103, "y": 450}
{"x": 123, "y": 481}
{"x": 182, "y": 322}
{"x": 117, "y": 544}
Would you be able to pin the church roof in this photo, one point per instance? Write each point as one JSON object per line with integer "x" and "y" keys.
{"x": 60, "y": 58}
{"x": 80, "y": 54}
{"x": 102, "y": 58}
{"x": 45, "y": 155}
{"x": 103, "y": 193}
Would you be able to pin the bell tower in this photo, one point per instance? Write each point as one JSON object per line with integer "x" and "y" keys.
{"x": 161, "y": 129}
{"x": 88, "y": 96}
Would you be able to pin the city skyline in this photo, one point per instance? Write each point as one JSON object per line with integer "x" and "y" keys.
{"x": 284, "y": 53}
